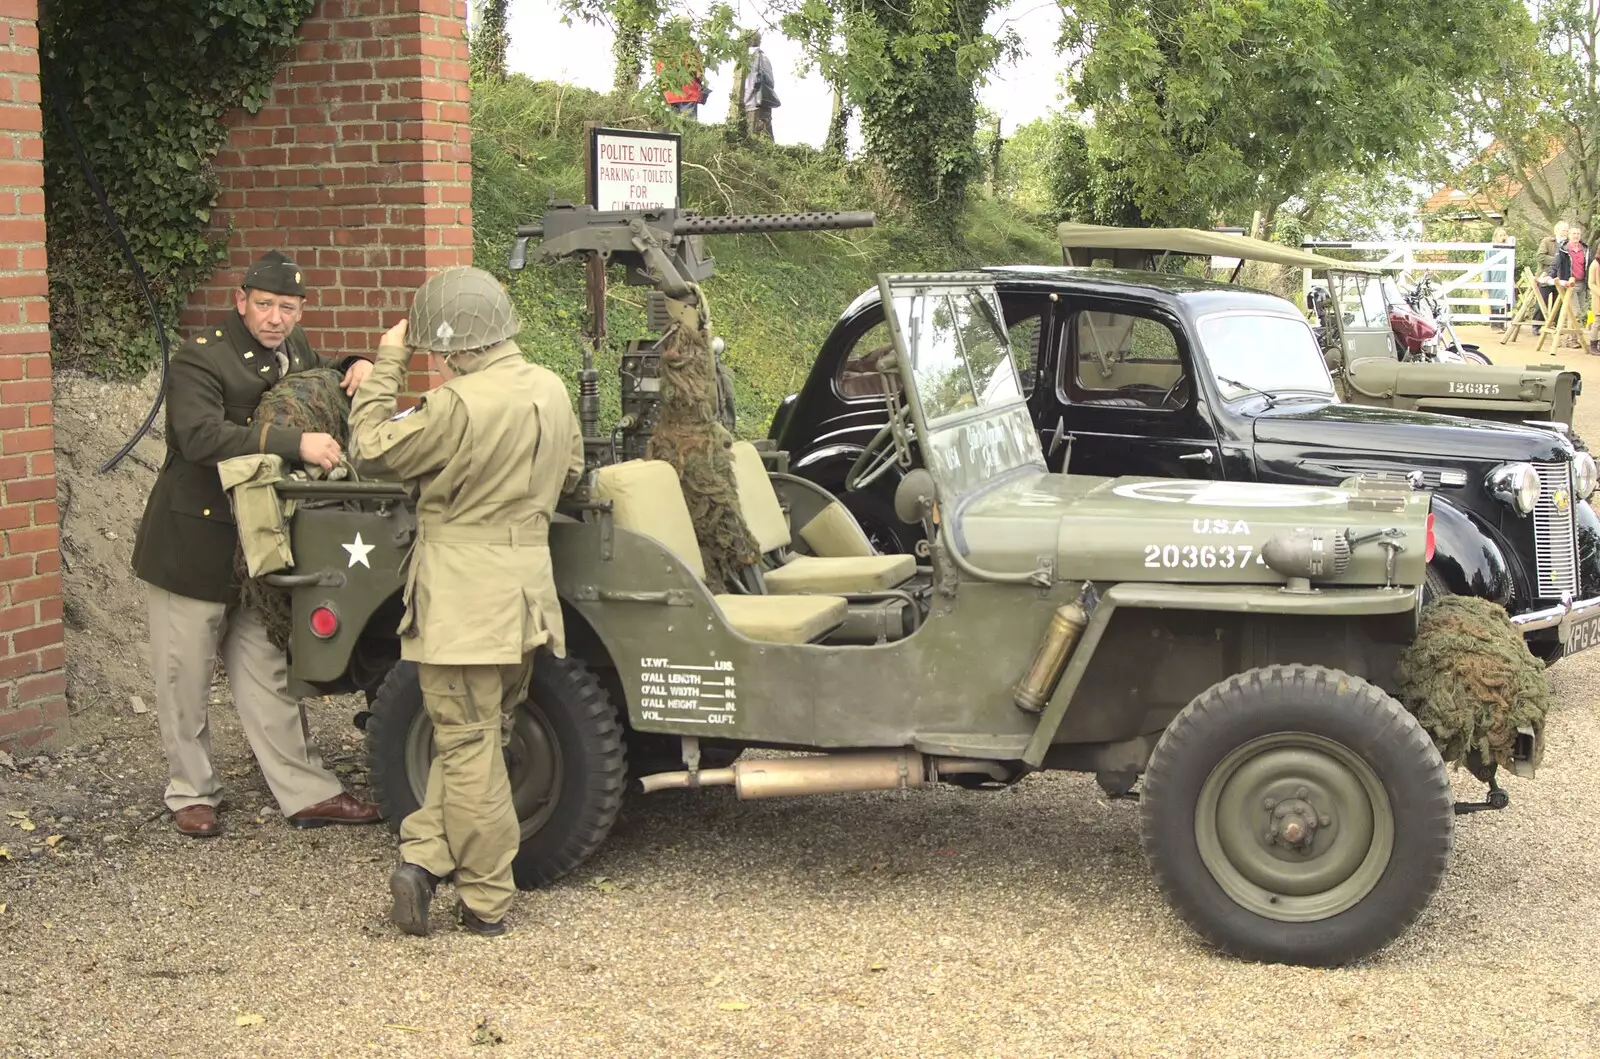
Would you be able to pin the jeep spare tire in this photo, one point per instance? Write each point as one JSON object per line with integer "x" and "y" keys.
{"x": 565, "y": 762}
{"x": 1297, "y": 814}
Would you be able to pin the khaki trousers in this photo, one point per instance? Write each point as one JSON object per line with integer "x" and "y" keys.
{"x": 467, "y": 825}
{"x": 185, "y": 635}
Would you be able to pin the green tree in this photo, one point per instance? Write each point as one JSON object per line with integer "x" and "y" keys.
{"x": 486, "y": 51}
{"x": 631, "y": 23}
{"x": 1237, "y": 105}
{"x": 912, "y": 71}
{"x": 1538, "y": 106}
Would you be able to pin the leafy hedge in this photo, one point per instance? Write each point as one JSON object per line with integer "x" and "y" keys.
{"x": 148, "y": 85}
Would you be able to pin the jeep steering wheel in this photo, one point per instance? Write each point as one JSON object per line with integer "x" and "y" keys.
{"x": 889, "y": 446}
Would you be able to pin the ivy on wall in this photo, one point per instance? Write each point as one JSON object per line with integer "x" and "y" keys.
{"x": 148, "y": 86}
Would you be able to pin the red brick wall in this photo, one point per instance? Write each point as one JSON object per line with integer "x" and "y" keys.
{"x": 358, "y": 167}
{"x": 33, "y": 682}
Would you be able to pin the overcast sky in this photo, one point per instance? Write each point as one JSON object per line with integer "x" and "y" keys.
{"x": 580, "y": 54}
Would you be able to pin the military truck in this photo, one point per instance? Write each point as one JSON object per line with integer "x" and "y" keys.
{"x": 1128, "y": 371}
{"x": 1351, "y": 302}
{"x": 1229, "y": 646}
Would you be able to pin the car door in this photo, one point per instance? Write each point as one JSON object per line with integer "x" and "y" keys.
{"x": 1127, "y": 396}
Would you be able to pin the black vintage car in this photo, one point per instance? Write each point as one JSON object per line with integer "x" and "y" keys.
{"x": 1139, "y": 373}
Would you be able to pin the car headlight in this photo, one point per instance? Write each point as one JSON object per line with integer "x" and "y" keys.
{"x": 1516, "y": 484}
{"x": 1585, "y": 475}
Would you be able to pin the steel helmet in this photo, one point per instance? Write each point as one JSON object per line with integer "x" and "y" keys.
{"x": 459, "y": 309}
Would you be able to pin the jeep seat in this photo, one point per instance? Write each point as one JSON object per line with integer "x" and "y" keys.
{"x": 646, "y": 499}
{"x": 804, "y": 573}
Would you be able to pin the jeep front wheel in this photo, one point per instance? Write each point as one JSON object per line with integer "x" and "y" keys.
{"x": 1295, "y": 814}
{"x": 564, "y": 760}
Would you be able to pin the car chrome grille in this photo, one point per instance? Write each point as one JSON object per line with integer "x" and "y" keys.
{"x": 1555, "y": 540}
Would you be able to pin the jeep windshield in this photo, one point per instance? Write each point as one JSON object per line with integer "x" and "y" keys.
{"x": 1252, "y": 352}
{"x": 956, "y": 363}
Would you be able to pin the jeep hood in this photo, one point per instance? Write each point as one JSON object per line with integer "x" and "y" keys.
{"x": 1321, "y": 431}
{"x": 1157, "y": 529}
{"x": 1449, "y": 388}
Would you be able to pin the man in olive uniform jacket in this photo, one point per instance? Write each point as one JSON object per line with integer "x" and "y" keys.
{"x": 184, "y": 551}
{"x": 486, "y": 455}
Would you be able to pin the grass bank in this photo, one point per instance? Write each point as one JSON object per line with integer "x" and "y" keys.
{"x": 773, "y": 298}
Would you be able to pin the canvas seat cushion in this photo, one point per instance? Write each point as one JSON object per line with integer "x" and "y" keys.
{"x": 646, "y": 499}
{"x": 866, "y": 573}
{"x": 782, "y": 619}
{"x": 758, "y": 501}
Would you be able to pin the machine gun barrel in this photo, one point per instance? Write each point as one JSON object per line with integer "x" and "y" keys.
{"x": 735, "y": 224}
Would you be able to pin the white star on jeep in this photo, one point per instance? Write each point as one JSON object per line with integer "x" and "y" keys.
{"x": 358, "y": 552}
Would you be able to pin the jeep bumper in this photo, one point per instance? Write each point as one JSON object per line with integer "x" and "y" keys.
{"x": 1577, "y": 623}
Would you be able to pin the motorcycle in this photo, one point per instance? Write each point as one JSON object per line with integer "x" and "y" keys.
{"x": 1422, "y": 327}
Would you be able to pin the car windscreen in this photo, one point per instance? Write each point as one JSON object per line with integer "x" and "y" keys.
{"x": 978, "y": 425}
{"x": 1261, "y": 351}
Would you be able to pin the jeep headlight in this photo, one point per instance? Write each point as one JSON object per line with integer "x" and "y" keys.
{"x": 1584, "y": 474}
{"x": 1516, "y": 484}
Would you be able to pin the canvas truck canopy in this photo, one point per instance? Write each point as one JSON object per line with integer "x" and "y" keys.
{"x": 1090, "y": 238}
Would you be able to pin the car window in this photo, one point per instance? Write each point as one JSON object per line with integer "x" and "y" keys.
{"x": 1257, "y": 351}
{"x": 961, "y": 361}
{"x": 859, "y": 375}
{"x": 1123, "y": 359}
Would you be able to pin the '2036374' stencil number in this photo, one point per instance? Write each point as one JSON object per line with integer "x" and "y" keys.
{"x": 1200, "y": 556}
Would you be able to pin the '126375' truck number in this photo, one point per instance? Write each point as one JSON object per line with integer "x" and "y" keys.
{"x": 1200, "y": 556}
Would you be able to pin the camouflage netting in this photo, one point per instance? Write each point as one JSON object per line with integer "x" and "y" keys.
{"x": 1470, "y": 680}
{"x": 310, "y": 401}
{"x": 689, "y": 436}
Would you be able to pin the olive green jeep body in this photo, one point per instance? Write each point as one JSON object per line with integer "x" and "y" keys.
{"x": 1231, "y": 645}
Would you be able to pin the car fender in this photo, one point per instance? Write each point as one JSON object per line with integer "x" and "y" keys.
{"x": 1588, "y": 550}
{"x": 1468, "y": 557}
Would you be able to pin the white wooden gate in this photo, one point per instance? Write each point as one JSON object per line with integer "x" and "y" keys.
{"x": 1474, "y": 281}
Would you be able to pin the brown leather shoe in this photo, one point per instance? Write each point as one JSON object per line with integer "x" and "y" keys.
{"x": 197, "y": 821}
{"x": 342, "y": 808}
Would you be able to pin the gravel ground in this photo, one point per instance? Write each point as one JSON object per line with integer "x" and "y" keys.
{"x": 930, "y": 923}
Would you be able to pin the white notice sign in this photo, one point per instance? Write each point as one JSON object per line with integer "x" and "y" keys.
{"x": 633, "y": 170}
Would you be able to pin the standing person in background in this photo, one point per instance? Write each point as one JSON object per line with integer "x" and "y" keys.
{"x": 760, "y": 92}
{"x": 678, "y": 41}
{"x": 1549, "y": 251}
{"x": 1572, "y": 273}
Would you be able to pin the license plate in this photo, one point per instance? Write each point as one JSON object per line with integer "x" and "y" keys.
{"x": 1583, "y": 634}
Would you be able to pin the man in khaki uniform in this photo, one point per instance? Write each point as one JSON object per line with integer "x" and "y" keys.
{"x": 486, "y": 455}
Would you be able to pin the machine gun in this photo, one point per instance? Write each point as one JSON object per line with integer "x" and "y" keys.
{"x": 660, "y": 249}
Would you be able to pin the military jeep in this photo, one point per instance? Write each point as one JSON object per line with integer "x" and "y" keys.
{"x": 1351, "y": 303}
{"x": 1229, "y": 646}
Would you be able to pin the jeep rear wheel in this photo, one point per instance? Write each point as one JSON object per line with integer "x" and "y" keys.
{"x": 1295, "y": 814}
{"x": 565, "y": 763}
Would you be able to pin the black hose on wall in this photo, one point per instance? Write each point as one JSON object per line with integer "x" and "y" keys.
{"x": 127, "y": 252}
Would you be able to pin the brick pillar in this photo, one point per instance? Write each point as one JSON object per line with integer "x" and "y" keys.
{"x": 33, "y": 680}
{"x": 358, "y": 167}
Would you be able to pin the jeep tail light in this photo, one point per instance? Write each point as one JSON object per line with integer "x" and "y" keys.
{"x": 1427, "y": 541}
{"x": 324, "y": 622}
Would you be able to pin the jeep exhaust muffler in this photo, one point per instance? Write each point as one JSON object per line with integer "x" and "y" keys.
{"x": 888, "y": 770}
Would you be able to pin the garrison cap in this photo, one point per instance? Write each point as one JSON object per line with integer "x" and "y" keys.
{"x": 275, "y": 273}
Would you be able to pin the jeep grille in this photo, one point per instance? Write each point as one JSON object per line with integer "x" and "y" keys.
{"x": 1555, "y": 541}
